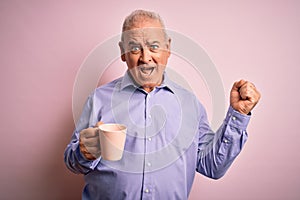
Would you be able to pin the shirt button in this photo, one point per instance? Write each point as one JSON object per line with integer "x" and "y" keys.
{"x": 149, "y": 116}
{"x": 234, "y": 118}
{"x": 149, "y": 139}
{"x": 147, "y": 190}
{"x": 225, "y": 141}
{"x": 149, "y": 164}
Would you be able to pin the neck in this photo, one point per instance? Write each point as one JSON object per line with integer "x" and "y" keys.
{"x": 148, "y": 89}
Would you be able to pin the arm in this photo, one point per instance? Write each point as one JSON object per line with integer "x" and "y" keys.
{"x": 74, "y": 158}
{"x": 217, "y": 151}
{"x": 77, "y": 154}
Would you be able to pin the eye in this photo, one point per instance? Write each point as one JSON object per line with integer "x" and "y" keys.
{"x": 154, "y": 47}
{"x": 135, "y": 49}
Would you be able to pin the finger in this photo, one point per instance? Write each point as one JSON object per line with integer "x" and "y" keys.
{"x": 99, "y": 123}
{"x": 236, "y": 86}
{"x": 247, "y": 95}
{"x": 247, "y": 91}
{"x": 248, "y": 85}
{"x": 90, "y": 153}
{"x": 90, "y": 142}
{"x": 89, "y": 132}
{"x": 85, "y": 152}
{"x": 95, "y": 152}
{"x": 89, "y": 156}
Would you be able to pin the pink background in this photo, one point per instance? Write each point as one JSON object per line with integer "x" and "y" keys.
{"x": 44, "y": 43}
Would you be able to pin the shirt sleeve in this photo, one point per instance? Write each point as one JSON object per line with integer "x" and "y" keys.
{"x": 217, "y": 151}
{"x": 73, "y": 158}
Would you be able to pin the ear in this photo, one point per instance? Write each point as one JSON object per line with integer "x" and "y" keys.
{"x": 122, "y": 50}
{"x": 169, "y": 46}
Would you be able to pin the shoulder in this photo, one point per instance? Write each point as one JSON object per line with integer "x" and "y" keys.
{"x": 104, "y": 92}
{"x": 109, "y": 87}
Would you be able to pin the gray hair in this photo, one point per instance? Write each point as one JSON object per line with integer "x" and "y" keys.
{"x": 139, "y": 15}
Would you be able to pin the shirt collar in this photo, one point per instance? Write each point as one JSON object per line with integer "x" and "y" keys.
{"x": 127, "y": 81}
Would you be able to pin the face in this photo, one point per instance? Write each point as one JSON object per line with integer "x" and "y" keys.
{"x": 146, "y": 50}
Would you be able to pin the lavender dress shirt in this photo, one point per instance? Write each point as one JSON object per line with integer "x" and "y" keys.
{"x": 168, "y": 140}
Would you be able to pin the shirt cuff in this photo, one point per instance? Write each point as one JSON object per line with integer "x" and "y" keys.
{"x": 91, "y": 164}
{"x": 237, "y": 119}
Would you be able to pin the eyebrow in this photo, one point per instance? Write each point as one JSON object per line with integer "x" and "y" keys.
{"x": 148, "y": 42}
{"x": 153, "y": 42}
{"x": 133, "y": 43}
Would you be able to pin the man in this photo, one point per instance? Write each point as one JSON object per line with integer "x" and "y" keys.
{"x": 168, "y": 136}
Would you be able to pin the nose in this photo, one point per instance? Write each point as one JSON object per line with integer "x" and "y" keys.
{"x": 145, "y": 56}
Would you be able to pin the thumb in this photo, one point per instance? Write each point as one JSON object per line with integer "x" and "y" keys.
{"x": 237, "y": 85}
{"x": 99, "y": 123}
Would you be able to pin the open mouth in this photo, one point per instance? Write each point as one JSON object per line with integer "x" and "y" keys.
{"x": 146, "y": 70}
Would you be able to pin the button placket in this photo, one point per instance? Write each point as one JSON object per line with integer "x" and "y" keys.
{"x": 225, "y": 141}
{"x": 148, "y": 182}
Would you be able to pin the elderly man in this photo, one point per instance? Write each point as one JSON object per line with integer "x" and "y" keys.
{"x": 168, "y": 137}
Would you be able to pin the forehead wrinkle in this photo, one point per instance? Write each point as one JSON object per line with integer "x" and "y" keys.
{"x": 144, "y": 31}
{"x": 144, "y": 36}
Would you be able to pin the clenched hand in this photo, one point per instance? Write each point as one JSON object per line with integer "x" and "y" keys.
{"x": 244, "y": 96}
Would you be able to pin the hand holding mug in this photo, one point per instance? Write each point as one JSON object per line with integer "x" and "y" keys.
{"x": 89, "y": 143}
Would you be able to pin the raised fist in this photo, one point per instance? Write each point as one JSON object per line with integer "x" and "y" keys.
{"x": 244, "y": 96}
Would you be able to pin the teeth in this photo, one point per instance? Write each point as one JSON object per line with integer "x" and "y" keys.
{"x": 147, "y": 70}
